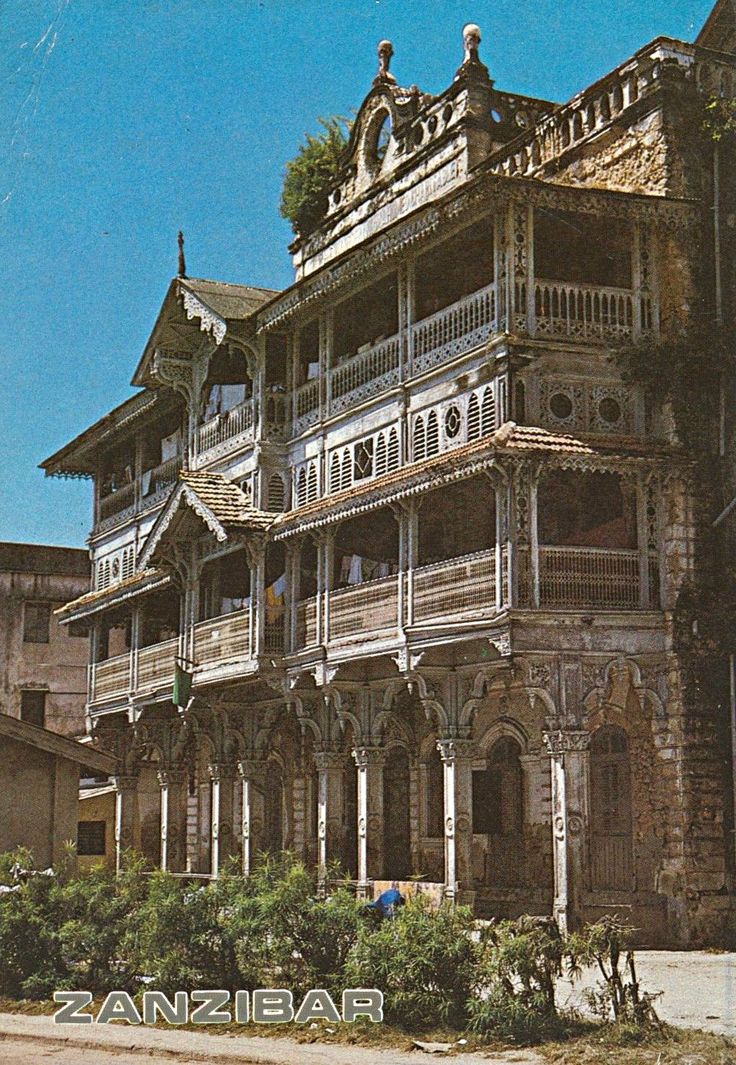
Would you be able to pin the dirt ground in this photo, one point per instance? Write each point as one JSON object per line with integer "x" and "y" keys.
{"x": 699, "y": 988}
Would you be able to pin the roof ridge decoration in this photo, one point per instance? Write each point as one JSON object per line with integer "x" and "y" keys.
{"x": 210, "y": 321}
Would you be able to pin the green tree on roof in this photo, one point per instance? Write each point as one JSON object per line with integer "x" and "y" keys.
{"x": 309, "y": 175}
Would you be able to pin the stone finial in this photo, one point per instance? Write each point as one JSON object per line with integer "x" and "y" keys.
{"x": 385, "y": 52}
{"x": 471, "y": 42}
{"x": 182, "y": 272}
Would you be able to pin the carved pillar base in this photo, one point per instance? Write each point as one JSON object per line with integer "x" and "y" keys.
{"x": 570, "y": 757}
{"x": 457, "y": 762}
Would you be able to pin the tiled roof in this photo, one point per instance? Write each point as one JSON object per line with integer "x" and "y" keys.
{"x": 91, "y": 602}
{"x": 229, "y": 301}
{"x": 461, "y": 461}
{"x": 229, "y": 503}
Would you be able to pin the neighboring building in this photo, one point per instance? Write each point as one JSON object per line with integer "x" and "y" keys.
{"x": 43, "y": 666}
{"x": 96, "y": 829}
{"x": 418, "y": 541}
{"x": 39, "y": 788}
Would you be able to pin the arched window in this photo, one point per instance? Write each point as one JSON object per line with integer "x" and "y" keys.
{"x": 473, "y": 417}
{"x": 393, "y": 450}
{"x": 396, "y": 825}
{"x": 380, "y": 457}
{"x": 611, "y": 828}
{"x": 433, "y": 434}
{"x": 273, "y": 836}
{"x": 312, "y": 489}
{"x": 346, "y": 477}
{"x": 276, "y": 492}
{"x": 488, "y": 412}
{"x": 419, "y": 450}
{"x": 335, "y": 472}
{"x": 301, "y": 487}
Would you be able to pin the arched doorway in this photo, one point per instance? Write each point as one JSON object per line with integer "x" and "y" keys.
{"x": 498, "y": 813}
{"x": 273, "y": 820}
{"x": 612, "y": 864}
{"x": 396, "y": 833}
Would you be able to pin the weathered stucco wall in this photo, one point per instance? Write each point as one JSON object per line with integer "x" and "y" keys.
{"x": 38, "y": 801}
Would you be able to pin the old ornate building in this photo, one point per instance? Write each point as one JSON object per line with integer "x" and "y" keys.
{"x": 416, "y": 540}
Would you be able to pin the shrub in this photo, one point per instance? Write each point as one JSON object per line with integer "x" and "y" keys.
{"x": 308, "y": 176}
{"x": 518, "y": 967}
{"x": 424, "y": 961}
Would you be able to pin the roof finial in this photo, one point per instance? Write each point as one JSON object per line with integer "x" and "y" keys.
{"x": 182, "y": 260}
{"x": 471, "y": 42}
{"x": 385, "y": 52}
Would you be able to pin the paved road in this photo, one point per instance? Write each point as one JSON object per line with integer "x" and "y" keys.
{"x": 699, "y": 988}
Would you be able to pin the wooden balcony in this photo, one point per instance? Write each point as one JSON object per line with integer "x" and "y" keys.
{"x": 454, "y": 329}
{"x": 458, "y": 588}
{"x": 110, "y": 678}
{"x": 585, "y": 311}
{"x": 370, "y": 607}
{"x": 226, "y": 431}
{"x": 155, "y": 666}
{"x": 223, "y": 639}
{"x": 146, "y": 491}
{"x": 364, "y": 375}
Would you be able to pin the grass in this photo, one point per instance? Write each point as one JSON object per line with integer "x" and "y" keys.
{"x": 579, "y": 1042}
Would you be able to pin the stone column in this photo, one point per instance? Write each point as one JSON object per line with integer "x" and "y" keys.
{"x": 222, "y": 776}
{"x": 252, "y": 772}
{"x": 457, "y": 766}
{"x": 174, "y": 793}
{"x": 330, "y": 766}
{"x": 370, "y": 762}
{"x": 570, "y": 756}
{"x": 127, "y": 828}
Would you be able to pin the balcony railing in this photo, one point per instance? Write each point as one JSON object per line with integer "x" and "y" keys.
{"x": 156, "y": 665}
{"x": 222, "y": 639}
{"x": 276, "y": 415}
{"x": 146, "y": 491}
{"x": 122, "y": 499}
{"x": 583, "y": 310}
{"x": 225, "y": 427}
{"x": 590, "y": 577}
{"x": 110, "y": 678}
{"x": 306, "y": 622}
{"x": 371, "y": 607}
{"x": 306, "y": 405}
{"x": 454, "y": 329}
{"x": 364, "y": 375}
{"x": 459, "y": 587}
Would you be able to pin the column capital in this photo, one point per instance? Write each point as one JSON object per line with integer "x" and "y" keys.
{"x": 221, "y": 770}
{"x": 125, "y": 782}
{"x": 171, "y": 776}
{"x": 369, "y": 756}
{"x": 561, "y": 741}
{"x": 251, "y": 768}
{"x": 329, "y": 760}
{"x": 454, "y": 750}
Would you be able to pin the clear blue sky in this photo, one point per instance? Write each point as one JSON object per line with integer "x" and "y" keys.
{"x": 123, "y": 120}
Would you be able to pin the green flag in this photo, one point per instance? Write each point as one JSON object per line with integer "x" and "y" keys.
{"x": 182, "y": 686}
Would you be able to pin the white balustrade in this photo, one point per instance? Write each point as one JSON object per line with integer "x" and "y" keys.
{"x": 226, "y": 426}
{"x": 222, "y": 639}
{"x": 365, "y": 374}
{"x": 122, "y": 499}
{"x": 110, "y": 678}
{"x": 156, "y": 665}
{"x": 155, "y": 483}
{"x": 458, "y": 587}
{"x": 364, "y": 610}
{"x": 454, "y": 329}
{"x": 593, "y": 311}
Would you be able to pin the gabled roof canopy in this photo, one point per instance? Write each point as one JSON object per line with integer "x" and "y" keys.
{"x": 719, "y": 31}
{"x": 221, "y": 505}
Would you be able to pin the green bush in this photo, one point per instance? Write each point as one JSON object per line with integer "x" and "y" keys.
{"x": 424, "y": 960}
{"x": 308, "y": 176}
{"x": 519, "y": 964}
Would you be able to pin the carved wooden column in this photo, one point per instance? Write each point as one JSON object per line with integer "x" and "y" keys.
{"x": 127, "y": 826}
{"x": 370, "y": 762}
{"x": 252, "y": 773}
{"x": 330, "y": 767}
{"x": 457, "y": 763}
{"x": 222, "y": 776}
{"x": 327, "y": 548}
{"x": 174, "y": 793}
{"x": 569, "y": 752}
